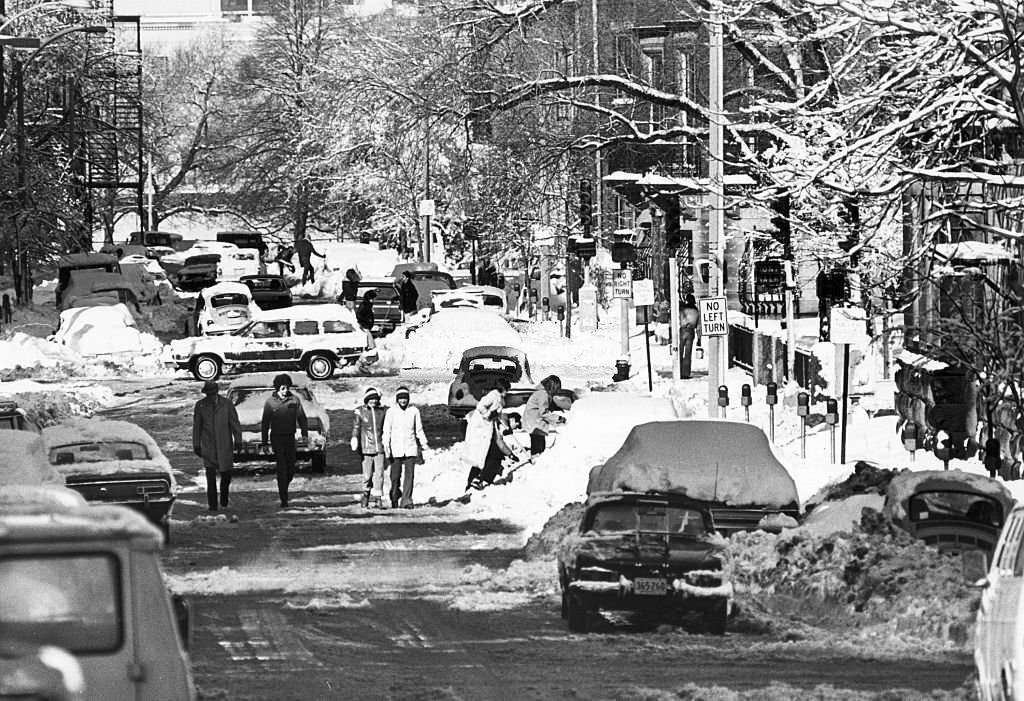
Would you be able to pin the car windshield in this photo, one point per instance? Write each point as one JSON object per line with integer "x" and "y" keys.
{"x": 649, "y": 517}
{"x": 104, "y": 451}
{"x": 70, "y": 601}
{"x": 491, "y": 364}
{"x": 957, "y": 506}
{"x": 265, "y": 284}
{"x": 228, "y": 300}
{"x": 384, "y": 294}
{"x": 240, "y": 394}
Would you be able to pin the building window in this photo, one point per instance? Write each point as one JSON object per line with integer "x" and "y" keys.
{"x": 625, "y": 213}
{"x": 654, "y": 75}
{"x": 684, "y": 82}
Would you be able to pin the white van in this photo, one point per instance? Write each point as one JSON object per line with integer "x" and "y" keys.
{"x": 999, "y": 627}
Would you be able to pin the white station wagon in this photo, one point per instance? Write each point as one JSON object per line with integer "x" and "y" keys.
{"x": 315, "y": 338}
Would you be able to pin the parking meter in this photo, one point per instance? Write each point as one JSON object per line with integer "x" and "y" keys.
{"x": 561, "y": 312}
{"x": 803, "y": 404}
{"x": 831, "y": 412}
{"x": 517, "y": 287}
{"x": 723, "y": 396}
{"x": 546, "y": 303}
{"x": 745, "y": 395}
{"x": 909, "y": 436}
{"x": 771, "y": 397}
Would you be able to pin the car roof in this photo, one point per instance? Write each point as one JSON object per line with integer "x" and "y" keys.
{"x": 226, "y": 288}
{"x": 265, "y": 380}
{"x": 499, "y": 351}
{"x": 91, "y": 258}
{"x": 318, "y": 312}
{"x": 376, "y": 282}
{"x": 81, "y": 430}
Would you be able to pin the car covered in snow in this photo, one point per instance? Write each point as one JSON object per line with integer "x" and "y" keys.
{"x": 23, "y": 460}
{"x": 475, "y": 296}
{"x": 268, "y": 291}
{"x": 232, "y": 262}
{"x": 222, "y": 308}
{"x": 114, "y": 462}
{"x": 250, "y": 392}
{"x": 87, "y": 579}
{"x": 315, "y": 338}
{"x": 955, "y": 511}
{"x": 644, "y": 552}
{"x": 483, "y": 368}
{"x": 73, "y": 263}
{"x": 103, "y": 331}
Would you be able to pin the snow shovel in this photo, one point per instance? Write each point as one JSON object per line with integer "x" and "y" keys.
{"x": 468, "y": 494}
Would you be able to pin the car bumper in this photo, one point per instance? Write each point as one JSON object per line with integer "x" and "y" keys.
{"x": 253, "y": 450}
{"x": 625, "y": 594}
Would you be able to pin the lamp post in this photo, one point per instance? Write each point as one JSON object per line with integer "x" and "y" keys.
{"x": 22, "y": 290}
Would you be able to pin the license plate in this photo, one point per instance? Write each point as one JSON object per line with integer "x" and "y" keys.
{"x": 649, "y": 586}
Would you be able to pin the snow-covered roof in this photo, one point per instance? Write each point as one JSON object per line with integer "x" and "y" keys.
{"x": 907, "y": 483}
{"x": 34, "y": 498}
{"x": 226, "y": 288}
{"x": 52, "y": 519}
{"x": 706, "y": 459}
{"x": 75, "y": 431}
{"x": 921, "y": 361}
{"x": 23, "y": 460}
{"x": 317, "y": 312}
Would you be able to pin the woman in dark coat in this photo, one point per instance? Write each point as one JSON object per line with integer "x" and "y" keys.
{"x": 408, "y": 295}
{"x": 350, "y": 288}
{"x": 364, "y": 315}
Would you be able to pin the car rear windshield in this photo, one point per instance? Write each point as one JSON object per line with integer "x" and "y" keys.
{"x": 490, "y": 364}
{"x": 957, "y": 506}
{"x": 265, "y": 284}
{"x": 228, "y": 300}
{"x": 384, "y": 294}
{"x": 71, "y": 601}
{"x": 105, "y": 451}
{"x": 654, "y": 518}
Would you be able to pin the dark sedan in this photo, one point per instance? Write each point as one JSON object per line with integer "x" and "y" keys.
{"x": 268, "y": 291}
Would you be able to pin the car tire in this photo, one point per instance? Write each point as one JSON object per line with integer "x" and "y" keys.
{"x": 318, "y": 463}
{"x": 206, "y": 367}
{"x": 715, "y": 618}
{"x": 576, "y": 613}
{"x": 320, "y": 366}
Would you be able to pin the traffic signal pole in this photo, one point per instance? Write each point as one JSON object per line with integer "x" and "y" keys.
{"x": 718, "y": 346}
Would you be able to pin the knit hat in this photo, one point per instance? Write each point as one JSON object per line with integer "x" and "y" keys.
{"x": 402, "y": 392}
{"x": 371, "y": 393}
{"x": 210, "y": 387}
{"x": 283, "y": 380}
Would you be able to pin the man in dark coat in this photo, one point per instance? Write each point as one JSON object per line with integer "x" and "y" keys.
{"x": 304, "y": 247}
{"x": 215, "y": 432}
{"x": 282, "y": 415}
{"x": 408, "y": 295}
{"x": 350, "y": 288}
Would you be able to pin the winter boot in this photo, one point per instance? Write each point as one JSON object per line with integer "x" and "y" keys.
{"x": 364, "y": 500}
{"x": 378, "y": 503}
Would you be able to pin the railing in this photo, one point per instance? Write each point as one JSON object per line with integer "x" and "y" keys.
{"x": 741, "y": 347}
{"x": 741, "y": 354}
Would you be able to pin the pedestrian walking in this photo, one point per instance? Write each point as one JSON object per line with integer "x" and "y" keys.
{"x": 368, "y": 441}
{"x": 304, "y": 247}
{"x": 540, "y": 416}
{"x": 404, "y": 443}
{"x": 364, "y": 317}
{"x": 6, "y": 309}
{"x": 485, "y": 448}
{"x": 408, "y": 295}
{"x": 282, "y": 416}
{"x": 215, "y": 433}
{"x": 350, "y": 288}
{"x": 284, "y": 259}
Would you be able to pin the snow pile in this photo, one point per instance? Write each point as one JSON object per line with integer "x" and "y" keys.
{"x": 545, "y": 345}
{"x": 47, "y": 406}
{"x": 440, "y": 342}
{"x": 22, "y": 351}
{"x": 840, "y": 516}
{"x": 25, "y": 462}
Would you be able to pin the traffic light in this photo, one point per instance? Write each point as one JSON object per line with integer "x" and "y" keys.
{"x": 586, "y": 207}
{"x": 780, "y": 222}
{"x": 470, "y": 230}
{"x": 623, "y": 251}
{"x": 769, "y": 274}
{"x": 586, "y": 247}
{"x": 850, "y": 214}
{"x": 673, "y": 234}
{"x": 824, "y": 321}
{"x": 831, "y": 286}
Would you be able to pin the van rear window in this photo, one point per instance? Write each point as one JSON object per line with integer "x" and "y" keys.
{"x": 71, "y": 601}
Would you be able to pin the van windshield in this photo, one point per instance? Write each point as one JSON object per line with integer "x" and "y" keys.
{"x": 71, "y": 601}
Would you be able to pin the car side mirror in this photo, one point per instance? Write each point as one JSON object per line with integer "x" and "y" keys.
{"x": 982, "y": 583}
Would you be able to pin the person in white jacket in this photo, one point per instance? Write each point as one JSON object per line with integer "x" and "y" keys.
{"x": 404, "y": 443}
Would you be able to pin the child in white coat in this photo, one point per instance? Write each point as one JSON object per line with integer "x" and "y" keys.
{"x": 404, "y": 443}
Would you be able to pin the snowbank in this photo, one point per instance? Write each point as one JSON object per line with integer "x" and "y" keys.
{"x": 104, "y": 331}
{"x": 369, "y": 261}
{"x": 24, "y": 460}
{"x": 840, "y": 516}
{"x": 440, "y": 342}
{"x": 22, "y": 351}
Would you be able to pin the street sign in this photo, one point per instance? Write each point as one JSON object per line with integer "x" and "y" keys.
{"x": 713, "y": 318}
{"x": 622, "y": 284}
{"x": 846, "y": 325}
{"x": 643, "y": 293}
{"x": 427, "y": 208}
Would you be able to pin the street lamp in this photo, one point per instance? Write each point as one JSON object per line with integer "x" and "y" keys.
{"x": 22, "y": 290}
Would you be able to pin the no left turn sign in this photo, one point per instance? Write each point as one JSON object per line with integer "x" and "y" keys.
{"x": 713, "y": 319}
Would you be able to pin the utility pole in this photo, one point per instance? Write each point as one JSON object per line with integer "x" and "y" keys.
{"x": 427, "y": 234}
{"x": 718, "y": 346}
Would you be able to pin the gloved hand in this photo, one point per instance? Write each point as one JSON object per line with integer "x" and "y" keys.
{"x": 355, "y": 444}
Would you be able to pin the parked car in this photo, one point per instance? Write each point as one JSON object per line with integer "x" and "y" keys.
{"x": 14, "y": 417}
{"x": 477, "y": 296}
{"x": 108, "y": 330}
{"x": 426, "y": 278}
{"x": 190, "y": 271}
{"x": 250, "y": 393}
{"x": 268, "y": 291}
{"x": 387, "y": 308}
{"x": 91, "y": 288}
{"x": 315, "y": 338}
{"x": 156, "y": 243}
{"x": 88, "y": 579}
{"x": 114, "y": 462}
{"x": 957, "y": 512}
{"x": 23, "y": 460}
{"x": 72, "y": 262}
{"x": 232, "y": 262}
{"x": 482, "y": 368}
{"x": 652, "y": 552}
{"x": 221, "y": 309}
{"x": 999, "y": 625}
